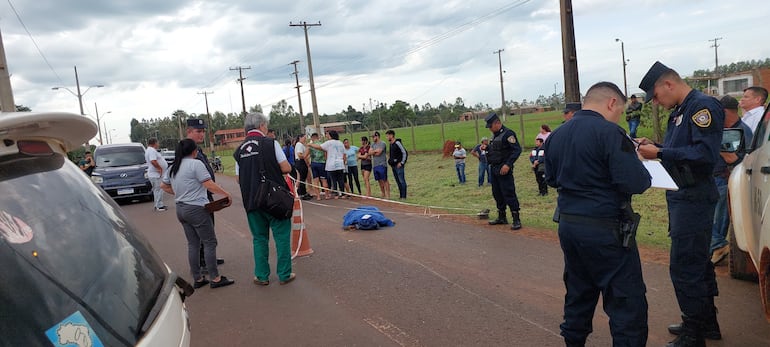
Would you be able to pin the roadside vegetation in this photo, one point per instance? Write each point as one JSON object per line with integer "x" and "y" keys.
{"x": 433, "y": 182}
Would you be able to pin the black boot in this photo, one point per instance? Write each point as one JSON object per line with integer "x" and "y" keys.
{"x": 501, "y": 219}
{"x": 516, "y": 221}
{"x": 710, "y": 328}
{"x": 690, "y": 334}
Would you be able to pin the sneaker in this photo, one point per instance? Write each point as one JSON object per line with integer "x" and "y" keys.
{"x": 160, "y": 209}
{"x": 720, "y": 254}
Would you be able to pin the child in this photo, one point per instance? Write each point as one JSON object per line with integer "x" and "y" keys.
{"x": 537, "y": 158}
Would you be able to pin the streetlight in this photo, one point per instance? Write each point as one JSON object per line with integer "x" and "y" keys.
{"x": 109, "y": 135}
{"x": 78, "y": 94}
{"x": 623, "y": 56}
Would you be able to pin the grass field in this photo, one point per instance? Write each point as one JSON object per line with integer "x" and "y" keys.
{"x": 432, "y": 179}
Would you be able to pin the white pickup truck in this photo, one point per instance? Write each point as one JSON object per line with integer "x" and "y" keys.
{"x": 749, "y": 190}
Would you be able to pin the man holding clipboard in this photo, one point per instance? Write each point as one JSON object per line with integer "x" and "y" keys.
{"x": 689, "y": 152}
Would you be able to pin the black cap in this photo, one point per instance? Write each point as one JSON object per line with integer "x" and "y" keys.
{"x": 572, "y": 106}
{"x": 196, "y": 123}
{"x": 491, "y": 118}
{"x": 633, "y": 96}
{"x": 729, "y": 102}
{"x": 652, "y": 76}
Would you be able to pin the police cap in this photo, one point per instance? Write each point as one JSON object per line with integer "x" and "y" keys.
{"x": 490, "y": 119}
{"x": 572, "y": 106}
{"x": 652, "y": 76}
{"x": 196, "y": 123}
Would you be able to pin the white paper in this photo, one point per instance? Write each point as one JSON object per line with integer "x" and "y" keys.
{"x": 660, "y": 177}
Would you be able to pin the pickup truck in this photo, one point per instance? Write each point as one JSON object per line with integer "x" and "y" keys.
{"x": 749, "y": 192}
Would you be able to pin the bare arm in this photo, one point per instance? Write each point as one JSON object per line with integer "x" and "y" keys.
{"x": 167, "y": 188}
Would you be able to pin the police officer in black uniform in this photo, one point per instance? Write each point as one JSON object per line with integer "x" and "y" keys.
{"x": 593, "y": 164}
{"x": 689, "y": 152}
{"x": 503, "y": 151}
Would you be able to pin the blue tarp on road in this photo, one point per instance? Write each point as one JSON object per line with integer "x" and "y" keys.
{"x": 366, "y": 218}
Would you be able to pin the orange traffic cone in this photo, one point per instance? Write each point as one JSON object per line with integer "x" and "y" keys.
{"x": 300, "y": 243}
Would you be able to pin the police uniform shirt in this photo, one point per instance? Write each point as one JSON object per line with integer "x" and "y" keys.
{"x": 594, "y": 165}
{"x": 694, "y": 136}
{"x": 504, "y": 148}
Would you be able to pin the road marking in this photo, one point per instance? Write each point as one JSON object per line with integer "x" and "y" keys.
{"x": 392, "y": 332}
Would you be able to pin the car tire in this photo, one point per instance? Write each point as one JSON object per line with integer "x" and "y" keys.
{"x": 740, "y": 264}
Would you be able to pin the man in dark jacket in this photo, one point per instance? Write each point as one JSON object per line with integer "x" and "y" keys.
{"x": 260, "y": 156}
{"x": 397, "y": 161}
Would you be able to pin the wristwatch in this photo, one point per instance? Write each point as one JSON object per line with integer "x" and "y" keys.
{"x": 659, "y": 155}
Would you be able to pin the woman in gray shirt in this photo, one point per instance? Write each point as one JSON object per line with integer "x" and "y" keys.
{"x": 189, "y": 180}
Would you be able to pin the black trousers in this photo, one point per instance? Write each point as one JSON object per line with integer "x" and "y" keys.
{"x": 302, "y": 168}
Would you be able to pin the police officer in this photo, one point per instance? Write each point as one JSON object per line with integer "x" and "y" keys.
{"x": 689, "y": 152}
{"x": 504, "y": 149}
{"x": 594, "y": 167}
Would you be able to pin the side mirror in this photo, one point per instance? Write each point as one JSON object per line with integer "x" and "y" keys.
{"x": 732, "y": 140}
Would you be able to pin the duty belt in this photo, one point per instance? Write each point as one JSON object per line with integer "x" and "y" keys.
{"x": 609, "y": 223}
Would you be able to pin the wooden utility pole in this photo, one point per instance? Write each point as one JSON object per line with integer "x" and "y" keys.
{"x": 240, "y": 80}
{"x": 569, "y": 54}
{"x": 208, "y": 119}
{"x": 502, "y": 90}
{"x": 716, "y": 56}
{"x": 305, "y": 26}
{"x": 299, "y": 97}
{"x": 6, "y": 93}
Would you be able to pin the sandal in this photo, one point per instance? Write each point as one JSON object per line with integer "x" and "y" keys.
{"x": 200, "y": 283}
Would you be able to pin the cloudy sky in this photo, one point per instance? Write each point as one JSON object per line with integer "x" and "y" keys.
{"x": 154, "y": 57}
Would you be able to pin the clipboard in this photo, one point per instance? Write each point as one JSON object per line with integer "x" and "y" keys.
{"x": 660, "y": 177}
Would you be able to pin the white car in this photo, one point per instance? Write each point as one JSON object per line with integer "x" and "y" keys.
{"x": 75, "y": 271}
{"x": 749, "y": 189}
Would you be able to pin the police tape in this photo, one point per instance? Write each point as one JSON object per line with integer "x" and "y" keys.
{"x": 427, "y": 209}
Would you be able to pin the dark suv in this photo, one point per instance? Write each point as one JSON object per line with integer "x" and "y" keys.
{"x": 75, "y": 270}
{"x": 121, "y": 171}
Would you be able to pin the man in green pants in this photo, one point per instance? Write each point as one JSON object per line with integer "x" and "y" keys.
{"x": 260, "y": 155}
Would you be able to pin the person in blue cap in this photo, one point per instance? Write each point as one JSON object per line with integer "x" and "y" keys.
{"x": 569, "y": 110}
{"x": 594, "y": 166}
{"x": 689, "y": 153}
{"x": 503, "y": 151}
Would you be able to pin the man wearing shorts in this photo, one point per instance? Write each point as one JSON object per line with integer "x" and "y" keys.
{"x": 380, "y": 164}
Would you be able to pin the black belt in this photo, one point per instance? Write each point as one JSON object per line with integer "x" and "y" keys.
{"x": 595, "y": 221}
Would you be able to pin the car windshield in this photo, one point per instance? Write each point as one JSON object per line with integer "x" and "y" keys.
{"x": 68, "y": 251}
{"x": 119, "y": 156}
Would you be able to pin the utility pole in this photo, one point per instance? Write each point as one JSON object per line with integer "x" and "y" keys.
{"x": 6, "y": 93}
{"x": 623, "y": 57}
{"x": 305, "y": 25}
{"x": 716, "y": 55}
{"x": 208, "y": 119}
{"x": 240, "y": 80}
{"x": 569, "y": 54}
{"x": 502, "y": 92}
{"x": 96, "y": 108}
{"x": 299, "y": 97}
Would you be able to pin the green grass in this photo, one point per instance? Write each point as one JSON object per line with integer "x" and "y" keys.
{"x": 433, "y": 181}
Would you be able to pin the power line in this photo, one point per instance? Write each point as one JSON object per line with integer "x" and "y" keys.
{"x": 39, "y": 51}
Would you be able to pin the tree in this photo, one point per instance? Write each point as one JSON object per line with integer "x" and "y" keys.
{"x": 22, "y": 108}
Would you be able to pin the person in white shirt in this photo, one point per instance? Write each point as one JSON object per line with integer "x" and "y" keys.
{"x": 156, "y": 166}
{"x": 302, "y": 165}
{"x": 336, "y": 160}
{"x": 753, "y": 105}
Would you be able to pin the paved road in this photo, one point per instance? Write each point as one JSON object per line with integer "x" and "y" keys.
{"x": 425, "y": 282}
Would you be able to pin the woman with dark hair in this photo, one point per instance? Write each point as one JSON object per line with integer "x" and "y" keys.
{"x": 335, "y": 161}
{"x": 366, "y": 163}
{"x": 545, "y": 130}
{"x": 352, "y": 175}
{"x": 188, "y": 180}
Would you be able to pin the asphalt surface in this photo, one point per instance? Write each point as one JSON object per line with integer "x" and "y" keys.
{"x": 428, "y": 281}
